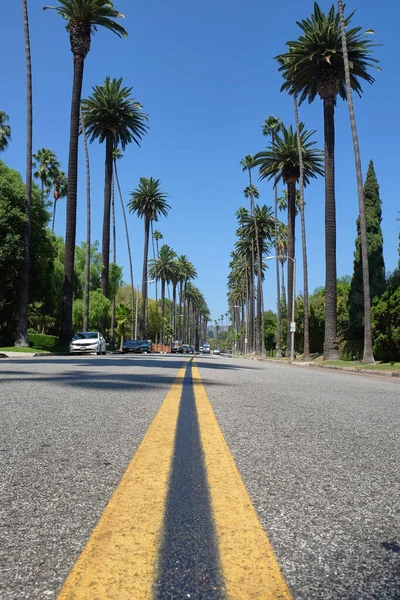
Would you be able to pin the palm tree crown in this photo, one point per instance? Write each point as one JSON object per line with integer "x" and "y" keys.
{"x": 148, "y": 200}
{"x": 111, "y": 110}
{"x": 84, "y": 17}
{"x": 47, "y": 168}
{"x": 281, "y": 159}
{"x": 5, "y": 131}
{"x": 314, "y": 63}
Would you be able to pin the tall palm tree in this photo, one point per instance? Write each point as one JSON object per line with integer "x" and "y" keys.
{"x": 186, "y": 271}
{"x": 314, "y": 64}
{"x": 47, "y": 166}
{"x": 282, "y": 248}
{"x": 368, "y": 356}
{"x": 117, "y": 154}
{"x": 148, "y": 202}
{"x": 272, "y": 125}
{"x": 88, "y": 226}
{"x": 156, "y": 236}
{"x": 113, "y": 117}
{"x": 164, "y": 269}
{"x": 21, "y": 338}
{"x": 281, "y": 161}
{"x": 59, "y": 191}
{"x": 247, "y": 164}
{"x": 83, "y": 18}
{"x": 306, "y": 337}
{"x": 5, "y": 131}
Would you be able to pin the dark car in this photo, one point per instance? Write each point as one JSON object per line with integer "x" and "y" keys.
{"x": 132, "y": 346}
{"x": 185, "y": 348}
{"x": 191, "y": 349}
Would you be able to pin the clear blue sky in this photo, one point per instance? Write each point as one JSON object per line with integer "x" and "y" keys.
{"x": 205, "y": 74}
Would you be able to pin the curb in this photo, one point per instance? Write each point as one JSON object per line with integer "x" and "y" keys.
{"x": 333, "y": 368}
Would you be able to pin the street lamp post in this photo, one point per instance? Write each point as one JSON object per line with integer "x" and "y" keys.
{"x": 137, "y": 302}
{"x": 292, "y": 325}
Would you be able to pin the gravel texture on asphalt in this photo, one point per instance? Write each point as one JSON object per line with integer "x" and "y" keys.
{"x": 68, "y": 429}
{"x": 319, "y": 452}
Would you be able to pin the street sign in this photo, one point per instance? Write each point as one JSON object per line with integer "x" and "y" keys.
{"x": 292, "y": 327}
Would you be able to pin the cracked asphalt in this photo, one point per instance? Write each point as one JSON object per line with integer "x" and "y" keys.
{"x": 319, "y": 453}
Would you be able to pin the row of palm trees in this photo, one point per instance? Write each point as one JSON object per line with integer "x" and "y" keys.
{"x": 329, "y": 59}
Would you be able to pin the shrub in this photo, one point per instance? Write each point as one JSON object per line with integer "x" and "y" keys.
{"x": 45, "y": 342}
{"x": 351, "y": 349}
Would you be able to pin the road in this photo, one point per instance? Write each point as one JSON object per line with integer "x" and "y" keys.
{"x": 318, "y": 452}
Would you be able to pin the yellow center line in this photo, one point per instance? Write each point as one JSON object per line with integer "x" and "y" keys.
{"x": 250, "y": 568}
{"x": 119, "y": 560}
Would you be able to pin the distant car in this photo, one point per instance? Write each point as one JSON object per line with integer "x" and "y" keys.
{"x": 176, "y": 347}
{"x": 132, "y": 346}
{"x": 201, "y": 349}
{"x": 88, "y": 342}
{"x": 216, "y": 351}
{"x": 185, "y": 348}
{"x": 191, "y": 349}
{"x": 206, "y": 349}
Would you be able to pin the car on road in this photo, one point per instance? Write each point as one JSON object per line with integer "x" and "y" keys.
{"x": 206, "y": 349}
{"x": 216, "y": 351}
{"x": 176, "y": 347}
{"x": 185, "y": 348}
{"x": 88, "y": 342}
{"x": 201, "y": 349}
{"x": 137, "y": 346}
{"x": 191, "y": 349}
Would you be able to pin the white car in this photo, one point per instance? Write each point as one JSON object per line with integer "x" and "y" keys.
{"x": 88, "y": 342}
{"x": 216, "y": 351}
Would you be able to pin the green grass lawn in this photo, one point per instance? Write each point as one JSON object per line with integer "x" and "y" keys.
{"x": 15, "y": 349}
{"x": 378, "y": 366}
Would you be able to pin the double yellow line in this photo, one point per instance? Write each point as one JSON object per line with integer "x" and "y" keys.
{"x": 120, "y": 559}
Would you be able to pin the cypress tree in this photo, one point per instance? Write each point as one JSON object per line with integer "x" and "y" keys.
{"x": 373, "y": 216}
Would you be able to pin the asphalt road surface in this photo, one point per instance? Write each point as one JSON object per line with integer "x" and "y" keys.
{"x": 318, "y": 451}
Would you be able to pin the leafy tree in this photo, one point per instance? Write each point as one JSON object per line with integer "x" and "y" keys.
{"x": 148, "y": 202}
{"x": 113, "y": 117}
{"x": 42, "y": 249}
{"x": 270, "y": 330}
{"x": 5, "y": 131}
{"x": 386, "y": 321}
{"x": 314, "y": 64}
{"x": 98, "y": 305}
{"x": 83, "y": 18}
{"x": 80, "y": 268}
{"x": 373, "y": 216}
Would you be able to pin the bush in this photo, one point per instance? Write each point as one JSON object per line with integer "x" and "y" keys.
{"x": 45, "y": 342}
{"x": 386, "y": 321}
{"x": 351, "y": 349}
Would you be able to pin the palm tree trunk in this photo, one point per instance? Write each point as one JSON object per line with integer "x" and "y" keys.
{"x": 262, "y": 324}
{"x": 255, "y": 325}
{"x": 291, "y": 188}
{"x": 114, "y": 237}
{"x": 330, "y": 341}
{"x": 368, "y": 356}
{"x": 54, "y": 214}
{"x": 162, "y": 309}
{"x": 278, "y": 299}
{"x": 129, "y": 250}
{"x": 184, "y": 313}
{"x": 21, "y": 338}
{"x": 105, "y": 246}
{"x": 174, "y": 309}
{"x": 88, "y": 227}
{"x": 143, "y": 316}
{"x": 70, "y": 233}
{"x": 154, "y": 255}
{"x": 180, "y": 310}
{"x": 306, "y": 341}
{"x": 283, "y": 283}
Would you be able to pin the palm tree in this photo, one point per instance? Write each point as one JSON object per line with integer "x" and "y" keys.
{"x": 281, "y": 160}
{"x": 156, "y": 236}
{"x": 5, "y": 131}
{"x": 59, "y": 191}
{"x": 247, "y": 163}
{"x": 272, "y": 125}
{"x": 47, "y": 166}
{"x": 88, "y": 226}
{"x": 164, "y": 269}
{"x": 306, "y": 338}
{"x": 150, "y": 202}
{"x": 314, "y": 64}
{"x": 21, "y": 338}
{"x": 282, "y": 248}
{"x": 117, "y": 154}
{"x": 83, "y": 18}
{"x": 186, "y": 271}
{"x": 368, "y": 356}
{"x": 111, "y": 115}
{"x": 123, "y": 317}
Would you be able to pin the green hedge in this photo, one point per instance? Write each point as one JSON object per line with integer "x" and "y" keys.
{"x": 45, "y": 342}
{"x": 351, "y": 349}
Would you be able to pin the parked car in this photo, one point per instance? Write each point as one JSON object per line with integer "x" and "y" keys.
{"x": 185, "y": 348}
{"x": 216, "y": 351}
{"x": 88, "y": 342}
{"x": 191, "y": 349}
{"x": 206, "y": 349}
{"x": 201, "y": 349}
{"x": 137, "y": 346}
{"x": 176, "y": 347}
